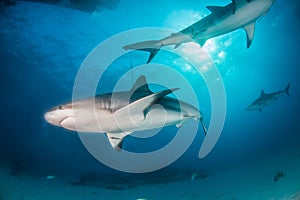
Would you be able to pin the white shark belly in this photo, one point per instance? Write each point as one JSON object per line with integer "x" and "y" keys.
{"x": 88, "y": 120}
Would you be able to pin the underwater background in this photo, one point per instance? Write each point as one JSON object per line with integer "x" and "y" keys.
{"x": 42, "y": 46}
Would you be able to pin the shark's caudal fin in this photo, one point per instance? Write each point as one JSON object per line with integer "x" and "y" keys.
{"x": 198, "y": 118}
{"x": 151, "y": 46}
{"x": 287, "y": 89}
{"x": 179, "y": 124}
{"x": 203, "y": 126}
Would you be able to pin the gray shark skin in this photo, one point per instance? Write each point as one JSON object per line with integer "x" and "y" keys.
{"x": 266, "y": 99}
{"x": 120, "y": 113}
{"x": 222, "y": 20}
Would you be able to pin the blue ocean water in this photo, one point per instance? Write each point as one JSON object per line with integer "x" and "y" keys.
{"x": 43, "y": 46}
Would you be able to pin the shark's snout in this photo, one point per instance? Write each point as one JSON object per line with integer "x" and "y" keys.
{"x": 51, "y": 118}
{"x": 55, "y": 117}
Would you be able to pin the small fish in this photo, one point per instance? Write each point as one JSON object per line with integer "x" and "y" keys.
{"x": 278, "y": 176}
{"x": 50, "y": 177}
{"x": 194, "y": 176}
{"x": 198, "y": 175}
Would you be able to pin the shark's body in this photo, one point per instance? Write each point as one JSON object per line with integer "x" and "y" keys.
{"x": 222, "y": 20}
{"x": 266, "y": 99}
{"x": 121, "y": 113}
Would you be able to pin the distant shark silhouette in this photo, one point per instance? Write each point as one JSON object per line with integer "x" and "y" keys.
{"x": 266, "y": 99}
{"x": 222, "y": 20}
{"x": 121, "y": 113}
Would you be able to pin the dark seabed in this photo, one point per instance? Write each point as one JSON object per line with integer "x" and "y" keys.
{"x": 42, "y": 46}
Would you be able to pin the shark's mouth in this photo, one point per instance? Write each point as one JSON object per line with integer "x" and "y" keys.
{"x": 61, "y": 121}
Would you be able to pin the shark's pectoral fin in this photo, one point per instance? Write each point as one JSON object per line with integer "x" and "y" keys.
{"x": 140, "y": 107}
{"x": 153, "y": 53}
{"x": 250, "y": 33}
{"x": 151, "y": 46}
{"x": 116, "y": 139}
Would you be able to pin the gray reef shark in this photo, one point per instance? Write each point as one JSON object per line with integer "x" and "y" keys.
{"x": 119, "y": 114}
{"x": 238, "y": 14}
{"x": 266, "y": 99}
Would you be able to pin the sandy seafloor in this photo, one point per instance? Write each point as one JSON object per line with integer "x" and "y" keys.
{"x": 252, "y": 181}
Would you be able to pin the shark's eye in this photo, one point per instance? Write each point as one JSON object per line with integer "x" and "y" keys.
{"x": 59, "y": 107}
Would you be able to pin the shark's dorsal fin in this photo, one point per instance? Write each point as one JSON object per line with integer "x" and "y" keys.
{"x": 215, "y": 9}
{"x": 250, "y": 33}
{"x": 262, "y": 93}
{"x": 116, "y": 139}
{"x": 140, "y": 89}
{"x": 141, "y": 85}
{"x": 152, "y": 46}
{"x": 140, "y": 107}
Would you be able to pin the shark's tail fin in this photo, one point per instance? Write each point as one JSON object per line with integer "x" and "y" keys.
{"x": 151, "y": 46}
{"x": 287, "y": 89}
{"x": 203, "y": 126}
{"x": 200, "y": 118}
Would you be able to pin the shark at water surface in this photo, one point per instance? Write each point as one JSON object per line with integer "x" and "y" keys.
{"x": 119, "y": 114}
{"x": 238, "y": 14}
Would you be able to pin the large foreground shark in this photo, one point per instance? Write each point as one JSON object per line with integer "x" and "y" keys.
{"x": 266, "y": 99}
{"x": 238, "y": 14}
{"x": 121, "y": 113}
